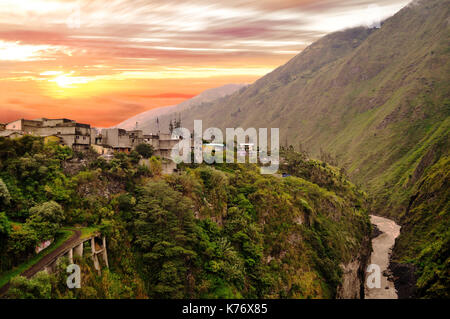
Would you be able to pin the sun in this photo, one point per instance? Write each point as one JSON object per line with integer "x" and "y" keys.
{"x": 68, "y": 81}
{"x": 69, "y": 84}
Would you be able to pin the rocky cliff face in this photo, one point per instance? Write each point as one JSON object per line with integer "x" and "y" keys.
{"x": 405, "y": 279}
{"x": 354, "y": 273}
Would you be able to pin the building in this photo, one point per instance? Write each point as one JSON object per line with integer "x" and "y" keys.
{"x": 124, "y": 141}
{"x": 119, "y": 139}
{"x": 26, "y": 126}
{"x": 164, "y": 144}
{"x": 71, "y": 133}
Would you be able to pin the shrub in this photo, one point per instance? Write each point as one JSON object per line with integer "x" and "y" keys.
{"x": 5, "y": 197}
{"x": 38, "y": 287}
{"x": 46, "y": 219}
{"x": 145, "y": 150}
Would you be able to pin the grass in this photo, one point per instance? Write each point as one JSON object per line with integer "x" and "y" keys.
{"x": 87, "y": 232}
{"x": 61, "y": 238}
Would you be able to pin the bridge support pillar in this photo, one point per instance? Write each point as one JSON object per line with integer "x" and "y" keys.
{"x": 94, "y": 256}
{"x": 79, "y": 250}
{"x": 70, "y": 254}
{"x": 105, "y": 253}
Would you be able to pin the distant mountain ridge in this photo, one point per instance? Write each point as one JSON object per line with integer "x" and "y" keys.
{"x": 147, "y": 120}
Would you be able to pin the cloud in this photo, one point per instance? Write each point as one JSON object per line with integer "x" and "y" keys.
{"x": 15, "y": 51}
{"x": 191, "y": 26}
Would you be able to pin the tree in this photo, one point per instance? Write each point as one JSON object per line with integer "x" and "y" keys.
{"x": 155, "y": 166}
{"x": 175, "y": 123}
{"x": 46, "y": 219}
{"x": 5, "y": 226}
{"x": 165, "y": 234}
{"x": 38, "y": 287}
{"x": 5, "y": 197}
{"x": 5, "y": 230}
{"x": 22, "y": 242}
{"x": 145, "y": 150}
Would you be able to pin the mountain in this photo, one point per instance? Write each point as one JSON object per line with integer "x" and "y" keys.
{"x": 377, "y": 103}
{"x": 147, "y": 120}
{"x": 376, "y": 100}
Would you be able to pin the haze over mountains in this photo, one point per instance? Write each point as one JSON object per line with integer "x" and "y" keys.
{"x": 146, "y": 121}
{"x": 378, "y": 102}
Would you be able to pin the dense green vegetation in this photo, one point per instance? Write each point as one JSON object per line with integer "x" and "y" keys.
{"x": 426, "y": 239}
{"x": 145, "y": 150}
{"x": 222, "y": 231}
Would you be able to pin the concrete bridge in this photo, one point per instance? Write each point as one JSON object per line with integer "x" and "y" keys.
{"x": 74, "y": 246}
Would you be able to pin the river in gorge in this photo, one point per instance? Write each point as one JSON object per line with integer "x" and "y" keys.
{"x": 382, "y": 246}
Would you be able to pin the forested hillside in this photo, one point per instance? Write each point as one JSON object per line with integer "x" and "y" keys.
{"x": 211, "y": 231}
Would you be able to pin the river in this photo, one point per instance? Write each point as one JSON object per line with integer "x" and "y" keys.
{"x": 382, "y": 246}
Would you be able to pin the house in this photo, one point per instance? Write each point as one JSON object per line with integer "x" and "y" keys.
{"x": 164, "y": 146}
{"x": 26, "y": 126}
{"x": 71, "y": 133}
{"x": 119, "y": 139}
{"x": 125, "y": 141}
{"x": 53, "y": 139}
{"x": 102, "y": 149}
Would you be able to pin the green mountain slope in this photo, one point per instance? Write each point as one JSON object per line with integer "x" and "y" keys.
{"x": 426, "y": 233}
{"x": 377, "y": 101}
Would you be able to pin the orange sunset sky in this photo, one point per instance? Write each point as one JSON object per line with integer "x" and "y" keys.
{"x": 101, "y": 62}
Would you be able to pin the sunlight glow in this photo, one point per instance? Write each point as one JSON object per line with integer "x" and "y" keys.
{"x": 67, "y": 81}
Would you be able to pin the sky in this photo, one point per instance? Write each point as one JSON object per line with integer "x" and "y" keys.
{"x": 103, "y": 61}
